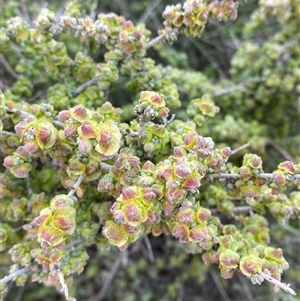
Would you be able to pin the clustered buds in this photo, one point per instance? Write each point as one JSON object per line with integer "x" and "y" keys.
{"x": 192, "y": 17}
{"x": 285, "y": 176}
{"x": 151, "y": 105}
{"x": 249, "y": 185}
{"x": 55, "y": 222}
{"x": 155, "y": 176}
{"x": 199, "y": 108}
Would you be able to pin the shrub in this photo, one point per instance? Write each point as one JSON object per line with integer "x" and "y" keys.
{"x": 104, "y": 147}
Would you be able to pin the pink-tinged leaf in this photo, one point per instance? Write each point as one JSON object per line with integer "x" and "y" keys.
{"x": 46, "y": 134}
{"x": 115, "y": 234}
{"x": 225, "y": 152}
{"x": 85, "y": 146}
{"x": 287, "y": 166}
{"x": 52, "y": 236}
{"x": 87, "y": 130}
{"x": 180, "y": 230}
{"x": 255, "y": 161}
{"x": 8, "y": 162}
{"x": 79, "y": 113}
{"x": 63, "y": 116}
{"x": 250, "y": 191}
{"x": 229, "y": 259}
{"x": 64, "y": 219}
{"x": 22, "y": 152}
{"x": 168, "y": 208}
{"x": 134, "y": 215}
{"x": 61, "y": 200}
{"x": 191, "y": 183}
{"x": 22, "y": 126}
{"x": 179, "y": 152}
{"x": 186, "y": 215}
{"x": 70, "y": 130}
{"x": 250, "y": 265}
{"x": 45, "y": 217}
{"x": 203, "y": 214}
{"x": 182, "y": 171}
{"x": 21, "y": 171}
{"x": 174, "y": 195}
{"x": 109, "y": 138}
{"x": 199, "y": 234}
{"x": 227, "y": 274}
{"x": 129, "y": 193}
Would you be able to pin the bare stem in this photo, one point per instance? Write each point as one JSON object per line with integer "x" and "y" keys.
{"x": 240, "y": 148}
{"x": 149, "y": 248}
{"x": 7, "y": 133}
{"x": 236, "y": 209}
{"x": 282, "y": 151}
{"x": 268, "y": 176}
{"x": 109, "y": 278}
{"x": 148, "y": 11}
{"x": 21, "y": 113}
{"x": 85, "y": 85}
{"x": 105, "y": 166}
{"x": 75, "y": 186}
{"x": 9, "y": 69}
{"x": 283, "y": 286}
{"x": 239, "y": 87}
{"x": 14, "y": 275}
{"x": 158, "y": 39}
{"x": 64, "y": 285}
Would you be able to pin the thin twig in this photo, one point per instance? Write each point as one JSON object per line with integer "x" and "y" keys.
{"x": 224, "y": 176}
{"x": 282, "y": 151}
{"x": 284, "y": 286}
{"x": 20, "y": 293}
{"x": 149, "y": 248}
{"x": 125, "y": 12}
{"x": 85, "y": 85}
{"x": 219, "y": 285}
{"x": 156, "y": 40}
{"x": 24, "y": 12}
{"x": 245, "y": 287}
{"x": 64, "y": 286}
{"x": 8, "y": 133}
{"x": 14, "y": 275}
{"x": 236, "y": 209}
{"x": 239, "y": 87}
{"x": 148, "y": 11}
{"x": 21, "y": 113}
{"x": 240, "y": 148}
{"x": 9, "y": 69}
{"x": 75, "y": 186}
{"x": 208, "y": 56}
{"x": 109, "y": 278}
{"x": 94, "y": 9}
{"x": 105, "y": 166}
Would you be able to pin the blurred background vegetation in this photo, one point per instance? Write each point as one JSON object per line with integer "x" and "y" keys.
{"x": 250, "y": 67}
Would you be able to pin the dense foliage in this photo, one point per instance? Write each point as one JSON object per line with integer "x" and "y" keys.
{"x": 120, "y": 160}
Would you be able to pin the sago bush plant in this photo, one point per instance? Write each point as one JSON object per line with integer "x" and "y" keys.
{"x": 120, "y": 160}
